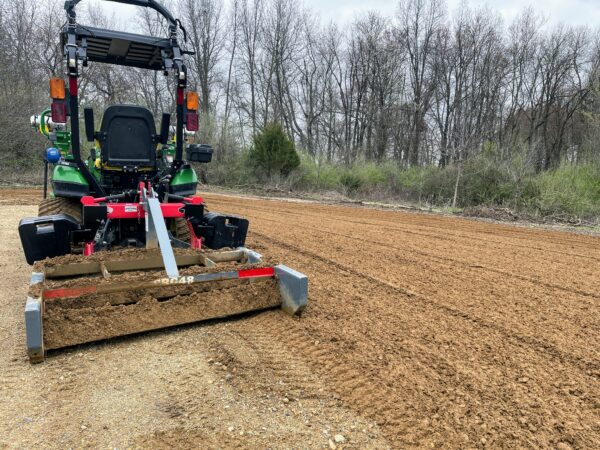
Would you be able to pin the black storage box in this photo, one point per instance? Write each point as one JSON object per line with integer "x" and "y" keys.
{"x": 220, "y": 231}
{"x": 46, "y": 236}
{"x": 201, "y": 153}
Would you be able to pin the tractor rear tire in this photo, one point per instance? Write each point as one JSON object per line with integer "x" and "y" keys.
{"x": 60, "y": 205}
{"x": 182, "y": 232}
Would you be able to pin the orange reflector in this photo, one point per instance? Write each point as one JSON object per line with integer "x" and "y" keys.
{"x": 192, "y": 101}
{"x": 57, "y": 88}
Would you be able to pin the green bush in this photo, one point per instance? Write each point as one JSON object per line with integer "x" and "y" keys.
{"x": 371, "y": 175}
{"x": 317, "y": 175}
{"x": 414, "y": 178}
{"x": 569, "y": 190}
{"x": 273, "y": 153}
{"x": 351, "y": 181}
{"x": 484, "y": 182}
{"x": 481, "y": 181}
{"x": 572, "y": 190}
{"x": 233, "y": 170}
{"x": 438, "y": 185}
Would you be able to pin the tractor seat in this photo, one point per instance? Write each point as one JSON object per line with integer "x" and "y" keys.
{"x": 128, "y": 137}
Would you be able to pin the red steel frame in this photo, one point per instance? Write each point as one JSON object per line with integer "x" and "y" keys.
{"x": 136, "y": 211}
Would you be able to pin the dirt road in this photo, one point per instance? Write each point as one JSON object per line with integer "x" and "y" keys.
{"x": 422, "y": 331}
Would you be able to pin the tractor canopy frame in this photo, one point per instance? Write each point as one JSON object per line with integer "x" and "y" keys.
{"x": 83, "y": 44}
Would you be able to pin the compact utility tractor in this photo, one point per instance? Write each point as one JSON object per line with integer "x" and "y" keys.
{"x": 122, "y": 244}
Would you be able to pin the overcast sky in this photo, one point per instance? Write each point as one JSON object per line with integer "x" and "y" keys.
{"x": 575, "y": 12}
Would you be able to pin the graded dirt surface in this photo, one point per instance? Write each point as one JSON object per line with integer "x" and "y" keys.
{"x": 421, "y": 331}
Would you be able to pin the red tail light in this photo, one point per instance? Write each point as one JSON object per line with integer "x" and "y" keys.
{"x": 191, "y": 122}
{"x": 59, "y": 112}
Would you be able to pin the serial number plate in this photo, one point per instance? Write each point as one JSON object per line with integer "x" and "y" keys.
{"x": 180, "y": 280}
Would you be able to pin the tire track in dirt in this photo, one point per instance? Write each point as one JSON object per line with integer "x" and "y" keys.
{"x": 443, "y": 259}
{"x": 373, "y": 394}
{"x": 578, "y": 322}
{"x": 383, "y": 409}
{"x": 447, "y": 226}
{"x": 249, "y": 369}
{"x": 583, "y": 365}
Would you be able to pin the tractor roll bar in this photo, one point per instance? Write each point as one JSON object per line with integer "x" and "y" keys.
{"x": 77, "y": 50}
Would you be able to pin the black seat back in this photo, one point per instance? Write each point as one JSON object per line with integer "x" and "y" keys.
{"x": 128, "y": 137}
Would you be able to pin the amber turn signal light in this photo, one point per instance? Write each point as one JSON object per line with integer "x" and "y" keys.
{"x": 192, "y": 101}
{"x": 57, "y": 89}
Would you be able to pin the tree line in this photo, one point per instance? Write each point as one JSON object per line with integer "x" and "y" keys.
{"x": 422, "y": 87}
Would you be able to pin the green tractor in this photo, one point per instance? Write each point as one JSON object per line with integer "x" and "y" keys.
{"x": 126, "y": 153}
{"x": 134, "y": 189}
{"x": 69, "y": 184}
